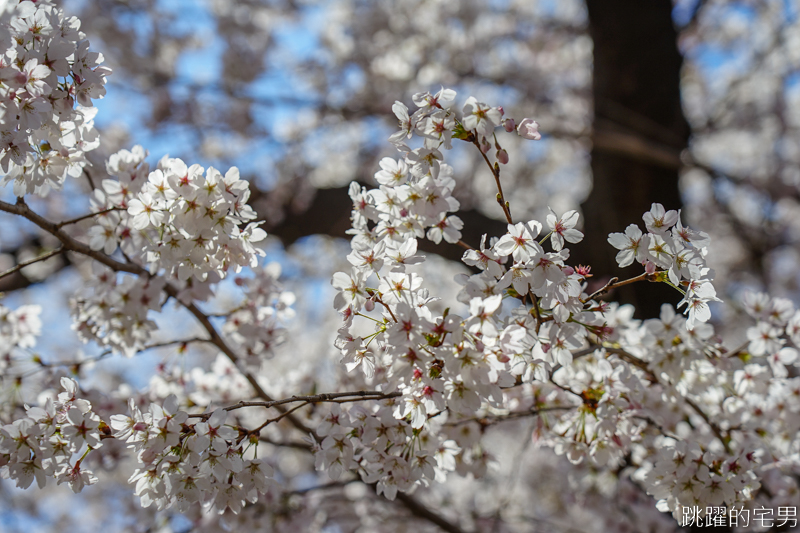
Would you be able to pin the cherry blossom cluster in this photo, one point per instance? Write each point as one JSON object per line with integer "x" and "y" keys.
{"x": 443, "y": 362}
{"x": 415, "y": 195}
{"x": 178, "y": 220}
{"x": 111, "y": 202}
{"x": 767, "y": 399}
{"x": 113, "y": 312}
{"x": 256, "y": 326}
{"x": 684, "y": 476}
{"x": 182, "y": 463}
{"x": 223, "y": 383}
{"x": 604, "y": 421}
{"x": 18, "y": 329}
{"x": 661, "y": 402}
{"x": 676, "y": 249}
{"x": 436, "y": 124}
{"x": 777, "y": 323}
{"x": 634, "y": 396}
{"x": 533, "y": 273}
{"x": 46, "y": 67}
{"x": 383, "y": 449}
{"x": 44, "y": 444}
{"x": 611, "y": 386}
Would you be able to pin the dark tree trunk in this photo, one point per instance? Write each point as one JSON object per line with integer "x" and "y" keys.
{"x": 639, "y": 131}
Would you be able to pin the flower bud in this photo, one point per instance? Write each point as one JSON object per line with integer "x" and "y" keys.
{"x": 529, "y": 129}
{"x": 502, "y": 156}
{"x": 509, "y": 125}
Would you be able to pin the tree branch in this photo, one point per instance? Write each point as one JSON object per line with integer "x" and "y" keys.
{"x": 70, "y": 243}
{"x": 333, "y": 397}
{"x": 417, "y": 509}
{"x": 642, "y": 365}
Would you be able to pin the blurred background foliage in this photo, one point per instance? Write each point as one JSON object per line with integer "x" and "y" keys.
{"x": 692, "y": 104}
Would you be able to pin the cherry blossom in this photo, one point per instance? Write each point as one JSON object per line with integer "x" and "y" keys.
{"x": 661, "y": 406}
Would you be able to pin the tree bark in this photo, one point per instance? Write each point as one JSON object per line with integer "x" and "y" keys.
{"x": 637, "y": 100}
{"x": 328, "y": 213}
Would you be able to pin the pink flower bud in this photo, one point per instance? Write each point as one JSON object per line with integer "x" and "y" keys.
{"x": 369, "y": 305}
{"x": 529, "y": 129}
{"x": 502, "y": 156}
{"x": 509, "y": 125}
{"x": 649, "y": 267}
{"x": 485, "y": 146}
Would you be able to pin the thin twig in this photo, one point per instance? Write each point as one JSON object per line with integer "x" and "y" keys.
{"x": 331, "y": 485}
{"x": 613, "y": 283}
{"x": 299, "y": 445}
{"x": 632, "y": 360}
{"x": 496, "y": 174}
{"x": 77, "y": 363}
{"x": 658, "y": 426}
{"x": 88, "y": 215}
{"x": 536, "y": 314}
{"x": 22, "y": 265}
{"x": 495, "y": 419}
{"x": 257, "y": 431}
{"x": 89, "y": 178}
{"x": 380, "y": 301}
{"x": 565, "y": 388}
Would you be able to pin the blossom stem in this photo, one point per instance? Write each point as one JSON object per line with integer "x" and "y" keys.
{"x": 369, "y": 317}
{"x": 88, "y": 449}
{"x": 683, "y": 292}
{"x": 496, "y": 173}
